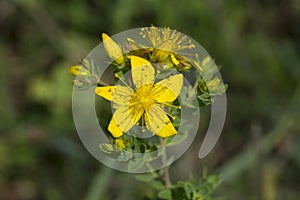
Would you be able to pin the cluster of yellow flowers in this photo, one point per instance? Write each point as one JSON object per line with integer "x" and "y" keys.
{"x": 146, "y": 101}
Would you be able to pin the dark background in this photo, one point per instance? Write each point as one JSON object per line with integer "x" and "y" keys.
{"x": 256, "y": 43}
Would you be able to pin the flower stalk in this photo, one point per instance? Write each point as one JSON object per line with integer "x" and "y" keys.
{"x": 166, "y": 174}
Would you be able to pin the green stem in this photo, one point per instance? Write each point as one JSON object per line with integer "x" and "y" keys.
{"x": 164, "y": 157}
{"x": 99, "y": 184}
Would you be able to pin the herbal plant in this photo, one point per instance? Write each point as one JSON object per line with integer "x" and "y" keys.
{"x": 144, "y": 95}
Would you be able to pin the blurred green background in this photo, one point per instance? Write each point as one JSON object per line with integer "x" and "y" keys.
{"x": 257, "y": 44}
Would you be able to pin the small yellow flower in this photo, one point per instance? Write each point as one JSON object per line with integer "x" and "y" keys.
{"x": 78, "y": 70}
{"x": 113, "y": 49}
{"x": 120, "y": 143}
{"x": 143, "y": 103}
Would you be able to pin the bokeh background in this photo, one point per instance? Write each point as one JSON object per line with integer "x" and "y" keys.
{"x": 256, "y": 44}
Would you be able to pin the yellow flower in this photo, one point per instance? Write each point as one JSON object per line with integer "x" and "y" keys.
{"x": 143, "y": 103}
{"x": 166, "y": 46}
{"x": 78, "y": 70}
{"x": 166, "y": 39}
{"x": 113, "y": 49}
{"x": 120, "y": 143}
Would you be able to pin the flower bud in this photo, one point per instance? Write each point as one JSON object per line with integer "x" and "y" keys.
{"x": 113, "y": 49}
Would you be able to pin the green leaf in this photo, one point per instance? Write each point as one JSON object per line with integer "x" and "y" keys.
{"x": 178, "y": 193}
{"x": 157, "y": 185}
{"x": 189, "y": 189}
{"x": 178, "y": 139}
{"x": 149, "y": 157}
{"x": 165, "y": 194}
{"x": 125, "y": 156}
{"x": 133, "y": 165}
{"x": 146, "y": 177}
{"x": 213, "y": 179}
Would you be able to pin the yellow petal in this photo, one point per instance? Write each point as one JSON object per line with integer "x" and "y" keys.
{"x": 174, "y": 60}
{"x": 123, "y": 120}
{"x": 168, "y": 89}
{"x": 113, "y": 49}
{"x": 114, "y": 129}
{"x": 158, "y": 122}
{"x": 116, "y": 94}
{"x": 142, "y": 71}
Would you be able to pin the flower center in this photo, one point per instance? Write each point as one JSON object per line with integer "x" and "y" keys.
{"x": 142, "y": 98}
